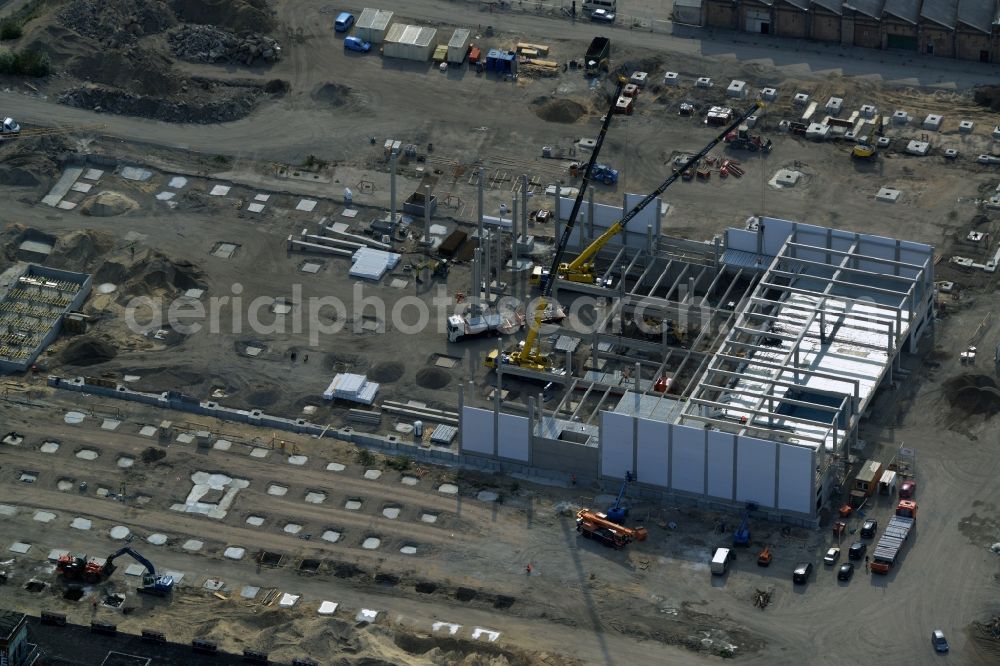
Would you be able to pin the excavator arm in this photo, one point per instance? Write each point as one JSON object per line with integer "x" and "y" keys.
{"x": 580, "y": 269}
{"x": 127, "y": 550}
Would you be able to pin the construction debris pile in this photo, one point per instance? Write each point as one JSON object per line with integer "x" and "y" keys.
{"x": 206, "y": 43}
{"x": 761, "y": 599}
{"x": 990, "y": 629}
{"x": 117, "y": 22}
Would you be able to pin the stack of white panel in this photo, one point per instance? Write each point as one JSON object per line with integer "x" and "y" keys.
{"x": 356, "y": 388}
{"x": 372, "y": 264}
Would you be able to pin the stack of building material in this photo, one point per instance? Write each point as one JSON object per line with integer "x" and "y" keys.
{"x": 372, "y": 264}
{"x": 356, "y": 388}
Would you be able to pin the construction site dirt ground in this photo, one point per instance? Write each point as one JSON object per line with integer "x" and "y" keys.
{"x": 653, "y": 603}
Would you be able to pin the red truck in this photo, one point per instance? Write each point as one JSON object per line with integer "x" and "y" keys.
{"x": 894, "y": 538}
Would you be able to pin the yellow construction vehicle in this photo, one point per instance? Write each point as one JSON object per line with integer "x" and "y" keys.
{"x": 581, "y": 269}
{"x": 864, "y": 151}
{"x": 526, "y": 355}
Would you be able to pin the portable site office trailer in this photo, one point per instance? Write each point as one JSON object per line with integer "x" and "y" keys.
{"x": 410, "y": 42}
{"x": 373, "y": 24}
{"x": 458, "y": 46}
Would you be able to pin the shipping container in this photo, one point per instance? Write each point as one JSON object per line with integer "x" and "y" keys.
{"x": 410, "y": 42}
{"x": 373, "y": 24}
{"x": 458, "y": 46}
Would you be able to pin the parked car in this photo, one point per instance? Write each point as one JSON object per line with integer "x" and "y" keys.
{"x": 343, "y": 22}
{"x": 802, "y": 572}
{"x": 9, "y": 126}
{"x": 938, "y": 640}
{"x": 832, "y": 555}
{"x": 869, "y": 528}
{"x": 845, "y": 571}
{"x": 908, "y": 489}
{"x": 357, "y": 44}
{"x": 602, "y": 16}
{"x": 857, "y": 550}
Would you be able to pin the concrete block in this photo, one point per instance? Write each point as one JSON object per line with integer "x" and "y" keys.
{"x": 639, "y": 78}
{"x": 737, "y": 89}
{"x": 883, "y": 142}
{"x": 769, "y": 94}
{"x": 703, "y": 82}
{"x": 801, "y": 99}
{"x": 900, "y": 117}
{"x": 932, "y": 122}
{"x": 996, "y": 132}
{"x": 966, "y": 126}
{"x": 868, "y": 111}
{"x": 834, "y": 105}
{"x": 918, "y": 147}
{"x": 993, "y": 203}
{"x": 671, "y": 79}
{"x": 888, "y": 195}
{"x": 950, "y": 153}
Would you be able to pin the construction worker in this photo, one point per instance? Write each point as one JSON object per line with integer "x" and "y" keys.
{"x": 868, "y": 565}
{"x": 528, "y": 569}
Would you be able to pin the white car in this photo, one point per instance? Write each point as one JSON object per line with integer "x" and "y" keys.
{"x": 602, "y": 15}
{"x": 832, "y": 555}
{"x": 10, "y": 126}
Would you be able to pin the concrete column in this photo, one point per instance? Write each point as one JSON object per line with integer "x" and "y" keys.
{"x": 392, "y": 188}
{"x": 649, "y": 238}
{"x": 477, "y": 277}
{"x": 479, "y": 212}
{"x": 496, "y": 399}
{"x": 499, "y": 248}
{"x": 524, "y": 204}
{"x": 484, "y": 243}
{"x": 427, "y": 210}
{"x": 531, "y": 429}
{"x": 590, "y": 214}
{"x": 515, "y": 253}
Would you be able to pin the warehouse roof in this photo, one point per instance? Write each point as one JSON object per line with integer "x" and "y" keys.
{"x": 459, "y": 37}
{"x": 942, "y": 12}
{"x": 976, "y": 14}
{"x": 871, "y": 8}
{"x": 411, "y": 34}
{"x": 907, "y": 10}
{"x": 835, "y": 6}
{"x": 801, "y": 4}
{"x": 374, "y": 19}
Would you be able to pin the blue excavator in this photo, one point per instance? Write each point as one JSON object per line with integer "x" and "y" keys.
{"x": 618, "y": 512}
{"x": 77, "y": 568}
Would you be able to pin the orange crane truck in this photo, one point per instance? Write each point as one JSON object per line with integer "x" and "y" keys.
{"x": 597, "y": 526}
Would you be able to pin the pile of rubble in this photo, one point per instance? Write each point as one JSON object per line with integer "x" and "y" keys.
{"x": 990, "y": 629}
{"x": 233, "y": 104}
{"x": 761, "y": 599}
{"x": 117, "y": 21}
{"x": 205, "y": 43}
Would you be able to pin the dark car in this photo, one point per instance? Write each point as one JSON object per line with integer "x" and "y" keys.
{"x": 845, "y": 571}
{"x": 802, "y": 572}
{"x": 857, "y": 550}
{"x": 938, "y": 640}
{"x": 869, "y": 528}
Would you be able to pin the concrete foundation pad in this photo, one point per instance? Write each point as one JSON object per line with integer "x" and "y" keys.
{"x": 87, "y": 454}
{"x": 292, "y": 528}
{"x": 289, "y": 600}
{"x": 429, "y": 518}
{"x": 409, "y": 480}
{"x": 157, "y": 539}
{"x": 110, "y": 424}
{"x": 49, "y": 447}
{"x": 177, "y": 182}
{"x": 19, "y": 547}
{"x": 315, "y": 498}
{"x": 214, "y": 584}
{"x": 73, "y": 418}
{"x": 193, "y": 545}
{"x": 220, "y": 190}
{"x": 276, "y": 490}
{"x": 448, "y": 489}
{"x": 8, "y": 510}
{"x": 888, "y": 194}
{"x": 366, "y": 615}
{"x": 446, "y": 627}
{"x": 56, "y": 553}
{"x": 44, "y": 516}
{"x": 391, "y": 512}
{"x": 480, "y": 634}
{"x": 119, "y": 532}
{"x": 297, "y": 460}
{"x": 185, "y": 438}
{"x": 327, "y": 608}
{"x": 259, "y": 453}
{"x": 331, "y": 535}
{"x": 371, "y": 543}
{"x": 178, "y": 576}
{"x": 125, "y": 462}
{"x": 81, "y": 524}
{"x": 352, "y": 505}
{"x": 373, "y": 474}
{"x": 249, "y": 592}
{"x": 135, "y": 570}
{"x": 306, "y": 205}
{"x": 255, "y": 521}
{"x": 222, "y": 445}
{"x": 487, "y": 496}
{"x": 148, "y": 431}
{"x": 255, "y": 208}
{"x": 408, "y": 550}
{"x": 92, "y": 174}
{"x": 335, "y": 467}
{"x": 234, "y": 553}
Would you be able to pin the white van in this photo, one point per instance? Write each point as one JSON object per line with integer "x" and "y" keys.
{"x": 606, "y": 5}
{"x": 721, "y": 560}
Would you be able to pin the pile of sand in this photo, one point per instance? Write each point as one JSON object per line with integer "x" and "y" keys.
{"x": 560, "y": 111}
{"x": 87, "y": 351}
{"x": 973, "y": 394}
{"x": 334, "y": 94}
{"x": 108, "y": 204}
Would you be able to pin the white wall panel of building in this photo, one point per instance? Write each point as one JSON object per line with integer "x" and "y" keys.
{"x": 795, "y": 473}
{"x": 515, "y": 438}
{"x": 605, "y": 216}
{"x": 720, "y": 464}
{"x": 755, "y": 470}
{"x": 616, "y": 444}
{"x": 687, "y": 470}
{"x": 653, "y": 453}
{"x": 477, "y": 430}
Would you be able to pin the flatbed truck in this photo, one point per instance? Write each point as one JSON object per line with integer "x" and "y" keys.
{"x": 888, "y": 548}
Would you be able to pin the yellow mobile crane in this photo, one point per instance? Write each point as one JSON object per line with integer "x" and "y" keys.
{"x": 581, "y": 269}
{"x": 526, "y": 356}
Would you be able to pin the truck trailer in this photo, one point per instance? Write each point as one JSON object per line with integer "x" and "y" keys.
{"x": 891, "y": 544}
{"x": 598, "y": 56}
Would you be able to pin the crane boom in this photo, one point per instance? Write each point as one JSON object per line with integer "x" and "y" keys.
{"x": 579, "y": 264}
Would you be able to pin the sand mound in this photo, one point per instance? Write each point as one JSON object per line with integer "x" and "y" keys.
{"x": 156, "y": 274}
{"x": 333, "y": 94}
{"x": 80, "y": 249}
{"x": 388, "y": 372}
{"x": 108, "y": 204}
{"x": 433, "y": 378}
{"x": 560, "y": 111}
{"x": 87, "y": 351}
{"x": 973, "y": 394}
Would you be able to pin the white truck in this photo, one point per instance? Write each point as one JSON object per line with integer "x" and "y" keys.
{"x": 10, "y": 126}
{"x": 460, "y": 327}
{"x": 721, "y": 560}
